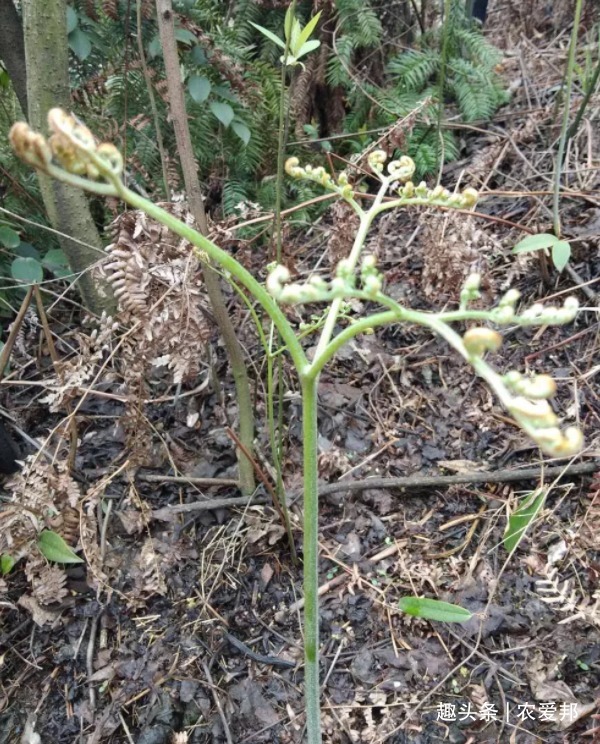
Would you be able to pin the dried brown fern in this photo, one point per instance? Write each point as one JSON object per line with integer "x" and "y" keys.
{"x": 111, "y": 8}
{"x": 453, "y": 247}
{"x": 157, "y": 284}
{"x": 43, "y": 497}
{"x": 566, "y": 599}
{"x": 343, "y": 232}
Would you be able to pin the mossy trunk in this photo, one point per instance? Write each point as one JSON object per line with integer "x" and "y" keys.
{"x": 47, "y": 63}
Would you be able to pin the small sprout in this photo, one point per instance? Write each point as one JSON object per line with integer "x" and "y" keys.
{"x": 291, "y": 293}
{"x": 504, "y": 314}
{"x": 31, "y": 147}
{"x": 470, "y": 290}
{"x": 510, "y": 298}
{"x": 479, "y": 340}
{"x": 318, "y": 283}
{"x": 421, "y": 190}
{"x": 111, "y": 157}
{"x": 372, "y": 285}
{"x": 469, "y": 197}
{"x": 344, "y": 269}
{"x": 535, "y": 311}
{"x": 402, "y": 169}
{"x": 338, "y": 286}
{"x": 572, "y": 442}
{"x": 537, "y": 414}
{"x": 279, "y": 276}
{"x": 407, "y": 191}
{"x": 293, "y": 169}
{"x": 346, "y": 192}
{"x": 541, "y": 387}
{"x": 369, "y": 263}
{"x": 376, "y": 159}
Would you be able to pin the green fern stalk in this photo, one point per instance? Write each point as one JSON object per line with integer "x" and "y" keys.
{"x": 565, "y": 119}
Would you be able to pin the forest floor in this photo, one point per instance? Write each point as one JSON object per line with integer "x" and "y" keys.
{"x": 189, "y": 624}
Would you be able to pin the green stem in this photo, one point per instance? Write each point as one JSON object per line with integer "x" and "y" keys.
{"x": 311, "y": 558}
{"x": 366, "y": 219}
{"x": 277, "y": 443}
{"x": 562, "y": 142}
{"x": 591, "y": 87}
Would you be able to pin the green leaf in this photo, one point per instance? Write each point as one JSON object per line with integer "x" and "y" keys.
{"x": 56, "y": 261}
{"x": 80, "y": 43}
{"x": 433, "y": 609}
{"x": 309, "y": 46}
{"x": 27, "y": 270}
{"x": 26, "y": 250}
{"x": 9, "y": 238}
{"x": 288, "y": 24}
{"x": 198, "y": 55}
{"x": 223, "y": 112}
{"x": 535, "y": 243}
{"x": 242, "y": 131}
{"x": 199, "y": 88}
{"x": 269, "y": 34}
{"x": 308, "y": 29}
{"x": 561, "y": 253}
{"x": 54, "y": 548}
{"x": 154, "y": 47}
{"x": 521, "y": 518}
{"x": 185, "y": 36}
{"x": 6, "y": 563}
{"x": 71, "y": 19}
{"x": 224, "y": 92}
{"x": 295, "y": 38}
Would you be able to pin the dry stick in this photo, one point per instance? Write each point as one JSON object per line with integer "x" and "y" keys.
{"x": 213, "y": 691}
{"x": 207, "y": 482}
{"x": 416, "y": 482}
{"x": 148, "y": 80}
{"x": 56, "y": 361}
{"x": 261, "y": 475}
{"x": 14, "y": 330}
{"x": 412, "y": 483}
{"x": 189, "y": 168}
{"x": 167, "y": 513}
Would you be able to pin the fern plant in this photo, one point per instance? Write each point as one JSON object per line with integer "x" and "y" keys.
{"x": 471, "y": 80}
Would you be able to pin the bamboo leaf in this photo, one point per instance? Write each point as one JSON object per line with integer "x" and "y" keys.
{"x": 522, "y": 517}
{"x": 269, "y": 34}
{"x": 54, "y": 548}
{"x": 308, "y": 29}
{"x": 434, "y": 609}
{"x": 307, "y": 47}
{"x": 535, "y": 243}
{"x": 6, "y": 563}
{"x": 561, "y": 253}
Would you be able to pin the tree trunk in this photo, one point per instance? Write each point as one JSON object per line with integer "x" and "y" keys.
{"x": 189, "y": 168}
{"x": 12, "y": 50}
{"x": 47, "y": 65}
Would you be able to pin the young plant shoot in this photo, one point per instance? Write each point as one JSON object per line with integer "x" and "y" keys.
{"x": 72, "y": 155}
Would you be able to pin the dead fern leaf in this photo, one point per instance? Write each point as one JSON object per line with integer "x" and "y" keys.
{"x": 566, "y": 599}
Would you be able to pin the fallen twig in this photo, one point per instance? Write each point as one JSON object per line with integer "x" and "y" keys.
{"x": 168, "y": 513}
{"x": 416, "y": 482}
